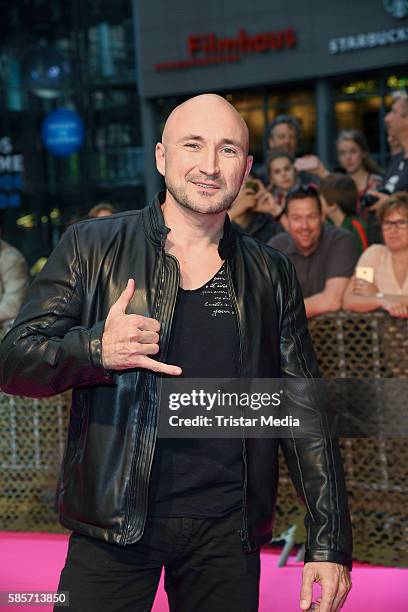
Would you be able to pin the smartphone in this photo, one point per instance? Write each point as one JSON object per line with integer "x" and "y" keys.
{"x": 252, "y": 185}
{"x": 307, "y": 162}
{"x": 365, "y": 273}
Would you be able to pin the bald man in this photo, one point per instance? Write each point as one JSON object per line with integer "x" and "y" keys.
{"x": 173, "y": 290}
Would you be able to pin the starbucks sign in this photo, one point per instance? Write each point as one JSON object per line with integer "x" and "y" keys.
{"x": 396, "y": 8}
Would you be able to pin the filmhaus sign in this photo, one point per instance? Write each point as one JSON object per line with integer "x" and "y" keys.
{"x": 208, "y": 49}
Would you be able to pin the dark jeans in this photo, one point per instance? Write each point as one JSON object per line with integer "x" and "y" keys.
{"x": 206, "y": 569}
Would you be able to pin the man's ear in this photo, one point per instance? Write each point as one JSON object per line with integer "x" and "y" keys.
{"x": 160, "y": 158}
{"x": 249, "y": 163}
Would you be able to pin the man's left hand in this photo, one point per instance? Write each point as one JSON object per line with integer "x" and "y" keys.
{"x": 335, "y": 583}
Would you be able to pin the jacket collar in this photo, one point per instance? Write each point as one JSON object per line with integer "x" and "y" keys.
{"x": 157, "y": 230}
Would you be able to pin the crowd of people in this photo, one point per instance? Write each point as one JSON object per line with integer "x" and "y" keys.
{"x": 127, "y": 504}
{"x": 346, "y": 231}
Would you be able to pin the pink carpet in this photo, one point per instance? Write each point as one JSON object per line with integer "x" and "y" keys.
{"x": 32, "y": 562}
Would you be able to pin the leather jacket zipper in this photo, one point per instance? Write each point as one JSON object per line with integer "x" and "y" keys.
{"x": 149, "y": 385}
{"x": 244, "y": 530}
{"x": 165, "y": 352}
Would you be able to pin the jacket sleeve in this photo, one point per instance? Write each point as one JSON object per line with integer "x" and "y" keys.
{"x": 14, "y": 281}
{"x": 314, "y": 462}
{"x": 47, "y": 351}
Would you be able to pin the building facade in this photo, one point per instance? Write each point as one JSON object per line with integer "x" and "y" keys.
{"x": 58, "y": 56}
{"x": 331, "y": 64}
{"x": 119, "y": 67}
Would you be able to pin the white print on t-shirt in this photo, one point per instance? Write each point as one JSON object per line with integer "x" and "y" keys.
{"x": 391, "y": 183}
{"x": 218, "y": 295}
{"x": 393, "y": 180}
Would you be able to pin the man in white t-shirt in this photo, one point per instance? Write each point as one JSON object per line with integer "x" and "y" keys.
{"x": 13, "y": 282}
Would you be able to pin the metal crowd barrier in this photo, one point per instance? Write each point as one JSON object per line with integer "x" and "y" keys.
{"x": 348, "y": 345}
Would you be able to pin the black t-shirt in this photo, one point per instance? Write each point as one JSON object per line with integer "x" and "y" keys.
{"x": 396, "y": 178}
{"x": 336, "y": 255}
{"x": 200, "y": 477}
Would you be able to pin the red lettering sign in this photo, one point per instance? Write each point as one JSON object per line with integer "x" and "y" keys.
{"x": 207, "y": 49}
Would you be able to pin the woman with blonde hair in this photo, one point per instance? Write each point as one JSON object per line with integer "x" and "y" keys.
{"x": 381, "y": 277}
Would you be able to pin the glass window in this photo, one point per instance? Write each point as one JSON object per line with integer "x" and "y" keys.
{"x": 361, "y": 103}
{"x": 259, "y": 110}
{"x": 361, "y": 114}
{"x": 95, "y": 39}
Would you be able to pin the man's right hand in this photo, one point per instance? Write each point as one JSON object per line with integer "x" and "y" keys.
{"x": 128, "y": 339}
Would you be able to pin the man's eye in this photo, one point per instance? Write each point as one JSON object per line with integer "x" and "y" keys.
{"x": 191, "y": 145}
{"x": 229, "y": 151}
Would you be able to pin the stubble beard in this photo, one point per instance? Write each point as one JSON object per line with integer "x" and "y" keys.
{"x": 180, "y": 196}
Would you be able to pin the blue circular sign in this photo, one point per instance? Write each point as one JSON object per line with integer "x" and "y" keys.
{"x": 62, "y": 132}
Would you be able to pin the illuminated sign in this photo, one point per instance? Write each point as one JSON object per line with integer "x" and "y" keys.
{"x": 11, "y": 174}
{"x": 382, "y": 38}
{"x": 208, "y": 49}
{"x": 368, "y": 41}
{"x": 62, "y": 132}
{"x": 396, "y": 8}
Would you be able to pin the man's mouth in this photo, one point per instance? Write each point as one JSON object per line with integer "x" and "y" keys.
{"x": 206, "y": 185}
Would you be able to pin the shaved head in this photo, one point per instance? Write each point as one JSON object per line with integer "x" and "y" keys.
{"x": 204, "y": 103}
{"x": 203, "y": 155}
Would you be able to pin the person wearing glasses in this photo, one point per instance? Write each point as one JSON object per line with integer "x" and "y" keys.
{"x": 381, "y": 277}
{"x": 174, "y": 290}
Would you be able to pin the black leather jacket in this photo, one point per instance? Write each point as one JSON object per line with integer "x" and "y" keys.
{"x": 55, "y": 345}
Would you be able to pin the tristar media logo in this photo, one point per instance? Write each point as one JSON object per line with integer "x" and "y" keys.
{"x": 396, "y": 8}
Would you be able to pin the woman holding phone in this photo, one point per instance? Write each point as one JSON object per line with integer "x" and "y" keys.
{"x": 282, "y": 178}
{"x": 259, "y": 210}
{"x": 381, "y": 277}
{"x": 354, "y": 157}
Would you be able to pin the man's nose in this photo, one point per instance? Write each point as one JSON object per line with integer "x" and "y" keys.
{"x": 209, "y": 162}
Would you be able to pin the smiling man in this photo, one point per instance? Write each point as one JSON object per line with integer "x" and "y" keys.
{"x": 203, "y": 168}
{"x": 324, "y": 256}
{"x": 121, "y": 289}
